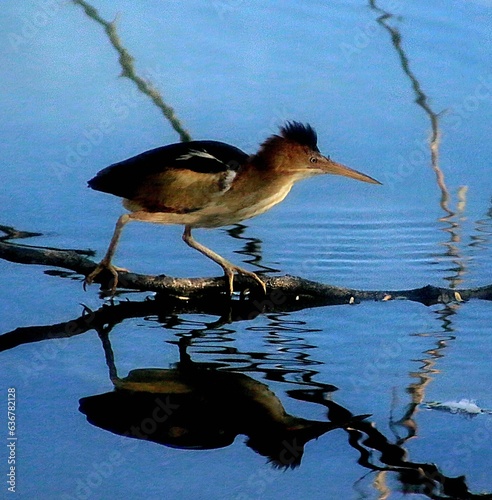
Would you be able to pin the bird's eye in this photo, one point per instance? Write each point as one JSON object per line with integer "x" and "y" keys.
{"x": 313, "y": 159}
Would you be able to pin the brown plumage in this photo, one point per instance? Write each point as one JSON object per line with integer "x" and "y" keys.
{"x": 212, "y": 184}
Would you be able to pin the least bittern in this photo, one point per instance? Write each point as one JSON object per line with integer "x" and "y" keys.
{"x": 212, "y": 184}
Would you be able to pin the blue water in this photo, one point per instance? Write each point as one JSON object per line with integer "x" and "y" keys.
{"x": 234, "y": 71}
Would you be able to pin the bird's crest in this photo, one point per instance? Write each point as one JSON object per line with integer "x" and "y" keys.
{"x": 304, "y": 135}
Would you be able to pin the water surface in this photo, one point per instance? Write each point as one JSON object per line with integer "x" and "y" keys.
{"x": 399, "y": 92}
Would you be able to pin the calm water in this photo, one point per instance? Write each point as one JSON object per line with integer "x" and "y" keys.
{"x": 385, "y": 84}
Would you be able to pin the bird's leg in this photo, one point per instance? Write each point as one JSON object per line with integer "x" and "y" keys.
{"x": 106, "y": 261}
{"x": 228, "y": 267}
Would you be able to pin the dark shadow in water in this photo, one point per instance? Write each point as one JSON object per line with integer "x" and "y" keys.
{"x": 197, "y": 406}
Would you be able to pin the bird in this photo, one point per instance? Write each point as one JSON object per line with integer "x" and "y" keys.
{"x": 210, "y": 184}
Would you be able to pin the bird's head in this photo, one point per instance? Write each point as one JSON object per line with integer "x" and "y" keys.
{"x": 295, "y": 152}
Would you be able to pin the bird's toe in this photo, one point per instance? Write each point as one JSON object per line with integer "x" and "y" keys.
{"x": 89, "y": 279}
{"x": 259, "y": 281}
{"x": 120, "y": 269}
{"x": 253, "y": 276}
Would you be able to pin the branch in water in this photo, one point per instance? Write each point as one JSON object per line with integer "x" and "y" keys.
{"x": 281, "y": 290}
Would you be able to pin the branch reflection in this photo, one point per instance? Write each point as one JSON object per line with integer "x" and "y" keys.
{"x": 126, "y": 61}
{"x": 421, "y": 99}
{"x": 452, "y": 218}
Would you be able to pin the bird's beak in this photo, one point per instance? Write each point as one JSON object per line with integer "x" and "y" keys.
{"x": 332, "y": 167}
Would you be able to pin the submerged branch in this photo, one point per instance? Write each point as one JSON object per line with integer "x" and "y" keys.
{"x": 281, "y": 290}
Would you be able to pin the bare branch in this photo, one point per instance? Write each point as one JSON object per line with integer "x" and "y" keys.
{"x": 280, "y": 289}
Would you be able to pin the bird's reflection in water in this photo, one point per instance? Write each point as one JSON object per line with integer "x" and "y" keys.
{"x": 198, "y": 406}
{"x": 277, "y": 350}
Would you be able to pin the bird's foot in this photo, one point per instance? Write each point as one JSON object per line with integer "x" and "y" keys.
{"x": 229, "y": 273}
{"x": 105, "y": 265}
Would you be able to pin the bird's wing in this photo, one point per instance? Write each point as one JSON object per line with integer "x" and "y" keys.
{"x": 180, "y": 177}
